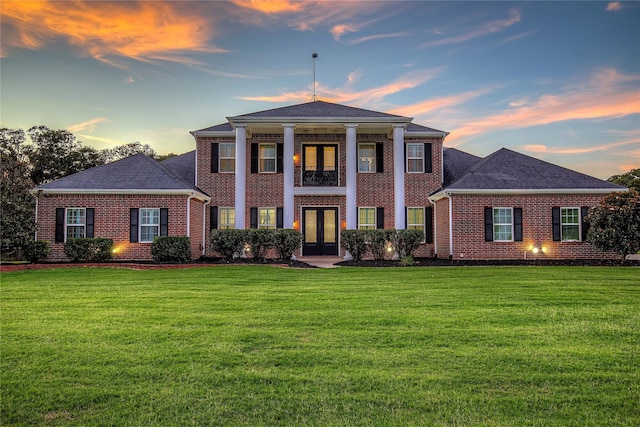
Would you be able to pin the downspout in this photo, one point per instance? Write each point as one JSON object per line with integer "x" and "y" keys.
{"x": 435, "y": 228}
{"x": 35, "y": 233}
{"x": 204, "y": 225}
{"x": 448, "y": 196}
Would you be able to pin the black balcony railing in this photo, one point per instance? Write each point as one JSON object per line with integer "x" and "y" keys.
{"x": 313, "y": 178}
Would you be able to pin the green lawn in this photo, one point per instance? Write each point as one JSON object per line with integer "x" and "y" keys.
{"x": 261, "y": 345}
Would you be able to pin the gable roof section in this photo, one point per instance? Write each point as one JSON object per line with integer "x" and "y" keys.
{"x": 183, "y": 165}
{"x": 456, "y": 163}
{"x": 136, "y": 174}
{"x": 507, "y": 171}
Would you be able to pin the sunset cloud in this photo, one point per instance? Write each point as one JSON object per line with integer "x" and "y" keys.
{"x": 87, "y": 126}
{"x": 544, "y": 149}
{"x": 614, "y": 6}
{"x": 271, "y": 6}
{"x": 436, "y": 104}
{"x": 108, "y": 32}
{"x": 605, "y": 95}
{"x": 480, "y": 31}
{"x": 347, "y": 94}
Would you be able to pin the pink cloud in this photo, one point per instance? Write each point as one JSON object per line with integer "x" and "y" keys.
{"x": 487, "y": 28}
{"x": 614, "y": 6}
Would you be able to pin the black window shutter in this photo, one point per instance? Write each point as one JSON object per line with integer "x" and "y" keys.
{"x": 428, "y": 226}
{"x": 380, "y": 217}
{"x": 253, "y": 217}
{"x": 59, "y": 225}
{"x": 517, "y": 224}
{"x": 279, "y": 157}
{"x": 584, "y": 211}
{"x": 254, "y": 158}
{"x": 213, "y": 217}
{"x": 279, "y": 218}
{"x": 555, "y": 219}
{"x": 405, "y": 158}
{"x": 428, "y": 158}
{"x": 164, "y": 222}
{"x": 379, "y": 157}
{"x": 488, "y": 224}
{"x": 89, "y": 215}
{"x": 214, "y": 157}
{"x": 133, "y": 225}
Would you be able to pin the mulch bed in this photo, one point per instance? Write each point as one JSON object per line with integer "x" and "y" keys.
{"x": 419, "y": 262}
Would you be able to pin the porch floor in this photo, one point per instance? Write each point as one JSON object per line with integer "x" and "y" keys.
{"x": 321, "y": 261}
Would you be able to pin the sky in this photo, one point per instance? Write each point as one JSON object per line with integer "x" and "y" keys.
{"x": 559, "y": 81}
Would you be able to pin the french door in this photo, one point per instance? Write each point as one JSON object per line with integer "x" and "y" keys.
{"x": 320, "y": 227}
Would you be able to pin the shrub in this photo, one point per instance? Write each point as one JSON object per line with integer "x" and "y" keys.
{"x": 377, "y": 242}
{"x": 406, "y": 242}
{"x": 84, "y": 249}
{"x": 35, "y": 250}
{"x": 354, "y": 242}
{"x": 171, "y": 249}
{"x": 286, "y": 242}
{"x": 261, "y": 240}
{"x": 228, "y": 243}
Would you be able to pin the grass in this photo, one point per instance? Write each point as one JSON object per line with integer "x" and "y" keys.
{"x": 249, "y": 345}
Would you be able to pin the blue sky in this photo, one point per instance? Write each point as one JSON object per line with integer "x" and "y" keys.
{"x": 556, "y": 80}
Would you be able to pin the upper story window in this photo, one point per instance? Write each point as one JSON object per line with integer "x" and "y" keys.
{"x": 149, "y": 224}
{"x": 227, "y": 158}
{"x": 415, "y": 158}
{"x": 267, "y": 158}
{"x": 366, "y": 218}
{"x": 502, "y": 225}
{"x": 75, "y": 223}
{"x": 570, "y": 224}
{"x": 366, "y": 157}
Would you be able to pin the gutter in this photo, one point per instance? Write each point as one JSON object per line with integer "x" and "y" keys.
{"x": 448, "y": 196}
{"x": 204, "y": 224}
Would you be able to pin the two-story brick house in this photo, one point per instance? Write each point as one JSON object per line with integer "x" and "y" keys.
{"x": 320, "y": 168}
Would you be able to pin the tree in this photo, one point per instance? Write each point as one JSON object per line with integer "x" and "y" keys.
{"x": 127, "y": 150}
{"x": 17, "y": 219}
{"x": 615, "y": 224}
{"x": 630, "y": 179}
{"x": 57, "y": 153}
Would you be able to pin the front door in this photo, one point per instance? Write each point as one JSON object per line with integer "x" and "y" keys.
{"x": 320, "y": 227}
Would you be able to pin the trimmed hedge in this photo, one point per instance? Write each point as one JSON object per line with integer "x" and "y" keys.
{"x": 36, "y": 250}
{"x": 85, "y": 249}
{"x": 360, "y": 242}
{"x": 286, "y": 242}
{"x": 354, "y": 242}
{"x": 171, "y": 249}
{"x": 230, "y": 243}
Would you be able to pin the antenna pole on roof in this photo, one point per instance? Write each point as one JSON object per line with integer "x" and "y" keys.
{"x": 315, "y": 57}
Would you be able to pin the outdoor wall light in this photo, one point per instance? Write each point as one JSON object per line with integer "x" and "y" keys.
{"x": 296, "y": 159}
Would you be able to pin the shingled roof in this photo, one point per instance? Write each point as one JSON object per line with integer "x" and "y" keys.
{"x": 507, "y": 170}
{"x": 137, "y": 173}
{"x": 318, "y": 109}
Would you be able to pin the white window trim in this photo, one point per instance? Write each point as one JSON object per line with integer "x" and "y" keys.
{"x": 579, "y": 224}
{"x": 67, "y": 225}
{"x": 221, "y": 158}
{"x": 415, "y": 158}
{"x": 275, "y": 219}
{"x": 222, "y": 225}
{"x": 423, "y": 224}
{"x": 275, "y": 157}
{"x": 140, "y": 225}
{"x": 374, "y": 160}
{"x": 375, "y": 217}
{"x": 495, "y": 223}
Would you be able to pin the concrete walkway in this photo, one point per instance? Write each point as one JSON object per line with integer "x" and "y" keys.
{"x": 321, "y": 261}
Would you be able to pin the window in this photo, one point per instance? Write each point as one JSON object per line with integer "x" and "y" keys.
{"x": 415, "y": 219}
{"x": 267, "y": 158}
{"x": 570, "y": 224}
{"x": 75, "y": 224}
{"x": 415, "y": 158}
{"x": 227, "y": 158}
{"x": 266, "y": 217}
{"x": 366, "y": 157}
{"x": 366, "y": 218}
{"x": 502, "y": 225}
{"x": 149, "y": 224}
{"x": 227, "y": 219}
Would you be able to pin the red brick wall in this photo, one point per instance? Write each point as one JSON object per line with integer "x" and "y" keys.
{"x": 112, "y": 220}
{"x": 468, "y": 228}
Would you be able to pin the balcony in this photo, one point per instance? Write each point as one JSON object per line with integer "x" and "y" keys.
{"x": 319, "y": 178}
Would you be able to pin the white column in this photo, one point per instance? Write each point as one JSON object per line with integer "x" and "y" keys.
{"x": 398, "y": 175}
{"x": 241, "y": 175}
{"x": 289, "y": 171}
{"x": 352, "y": 177}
